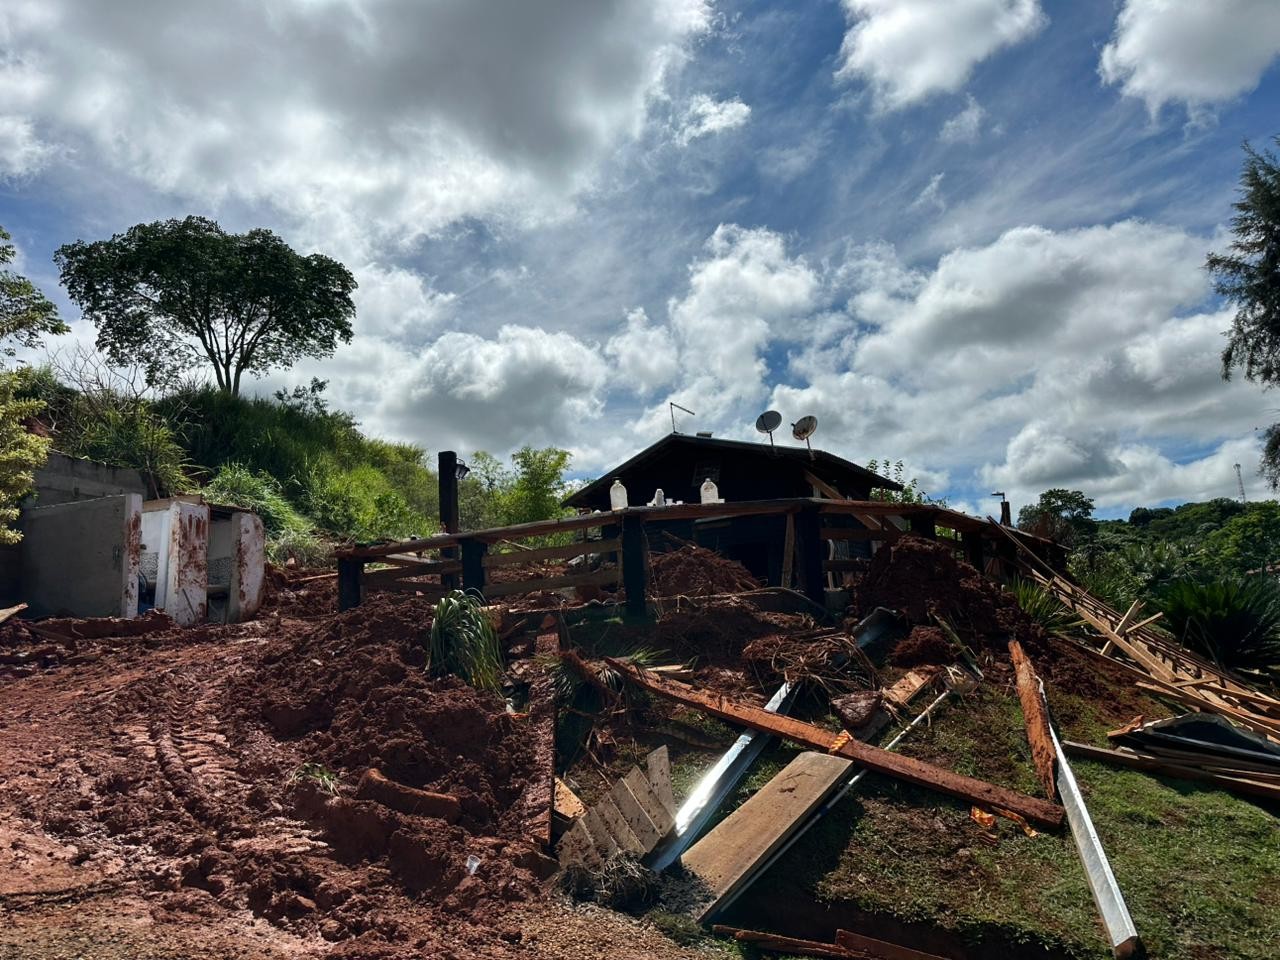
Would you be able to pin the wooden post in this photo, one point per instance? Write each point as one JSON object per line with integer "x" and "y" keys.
{"x": 810, "y": 552}
{"x": 635, "y": 565}
{"x": 350, "y": 571}
{"x": 473, "y": 552}
{"x": 973, "y": 550}
{"x": 789, "y": 551}
{"x": 447, "y": 478}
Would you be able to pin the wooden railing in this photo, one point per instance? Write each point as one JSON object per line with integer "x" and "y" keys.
{"x": 468, "y": 560}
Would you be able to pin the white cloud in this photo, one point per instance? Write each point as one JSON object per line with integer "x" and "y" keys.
{"x": 931, "y": 196}
{"x": 360, "y": 120}
{"x": 965, "y": 126}
{"x": 645, "y": 355}
{"x": 526, "y": 385}
{"x": 1191, "y": 51}
{"x": 21, "y": 151}
{"x": 705, "y": 116}
{"x": 909, "y": 50}
{"x": 396, "y": 303}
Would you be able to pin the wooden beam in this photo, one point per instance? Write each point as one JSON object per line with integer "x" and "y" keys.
{"x": 1037, "y": 722}
{"x": 539, "y": 554}
{"x": 595, "y": 578}
{"x": 987, "y": 795}
{"x": 789, "y": 551}
{"x": 1149, "y": 764}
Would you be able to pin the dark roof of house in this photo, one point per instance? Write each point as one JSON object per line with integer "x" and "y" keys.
{"x": 835, "y": 469}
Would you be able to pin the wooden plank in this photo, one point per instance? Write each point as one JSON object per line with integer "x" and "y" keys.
{"x": 880, "y": 948}
{"x": 648, "y": 798}
{"x": 633, "y": 812}
{"x": 730, "y": 853}
{"x": 779, "y": 944}
{"x": 601, "y": 837}
{"x": 1149, "y": 764}
{"x": 594, "y": 578}
{"x": 658, "y": 770}
{"x": 907, "y": 687}
{"x": 986, "y": 795}
{"x": 1043, "y": 755}
{"x": 889, "y": 534}
{"x": 566, "y": 803}
{"x": 789, "y": 551}
{"x": 578, "y": 847}
{"x": 537, "y": 802}
{"x": 616, "y": 824}
{"x": 376, "y": 578}
{"x": 540, "y": 554}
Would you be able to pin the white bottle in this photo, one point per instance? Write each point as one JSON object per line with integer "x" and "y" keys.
{"x": 710, "y": 492}
{"x": 659, "y": 499}
{"x": 617, "y": 496}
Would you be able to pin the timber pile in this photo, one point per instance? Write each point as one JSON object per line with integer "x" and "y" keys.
{"x": 1159, "y": 665}
{"x": 632, "y": 819}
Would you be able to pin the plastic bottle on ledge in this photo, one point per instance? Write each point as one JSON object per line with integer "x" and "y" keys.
{"x": 710, "y": 492}
{"x": 659, "y": 499}
{"x": 617, "y": 496}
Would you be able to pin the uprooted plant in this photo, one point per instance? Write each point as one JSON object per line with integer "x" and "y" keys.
{"x": 464, "y": 642}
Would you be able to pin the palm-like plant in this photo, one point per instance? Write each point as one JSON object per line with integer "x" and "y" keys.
{"x": 1042, "y": 607}
{"x": 1235, "y": 622}
{"x": 464, "y": 642}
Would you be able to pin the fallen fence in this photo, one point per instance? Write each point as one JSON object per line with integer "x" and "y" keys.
{"x": 619, "y": 543}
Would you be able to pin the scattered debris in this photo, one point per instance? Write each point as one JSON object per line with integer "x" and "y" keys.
{"x": 633, "y": 818}
{"x": 694, "y": 571}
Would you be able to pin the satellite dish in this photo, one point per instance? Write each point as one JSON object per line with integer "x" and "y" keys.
{"x": 768, "y": 422}
{"x": 803, "y": 429}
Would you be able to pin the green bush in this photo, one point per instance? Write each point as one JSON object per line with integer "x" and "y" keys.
{"x": 238, "y": 486}
{"x": 1235, "y": 622}
{"x": 464, "y": 642}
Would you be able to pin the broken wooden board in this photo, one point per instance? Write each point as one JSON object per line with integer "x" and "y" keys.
{"x": 567, "y": 804}
{"x": 538, "y": 800}
{"x": 897, "y": 698}
{"x": 729, "y": 854}
{"x": 1037, "y": 721}
{"x": 989, "y": 796}
{"x": 633, "y": 818}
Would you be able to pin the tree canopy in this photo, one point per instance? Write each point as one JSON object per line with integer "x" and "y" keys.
{"x": 1248, "y": 276}
{"x": 181, "y": 295}
{"x": 1060, "y": 514}
{"x": 26, "y": 314}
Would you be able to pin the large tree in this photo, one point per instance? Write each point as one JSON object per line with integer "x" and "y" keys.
{"x": 1060, "y": 514}
{"x": 1248, "y": 276}
{"x": 26, "y": 317}
{"x": 179, "y": 295}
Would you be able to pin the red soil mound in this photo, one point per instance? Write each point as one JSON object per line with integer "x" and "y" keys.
{"x": 693, "y": 571}
{"x": 923, "y": 645}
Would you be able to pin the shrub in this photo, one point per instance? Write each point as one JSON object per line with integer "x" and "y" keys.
{"x": 238, "y": 486}
{"x": 1042, "y": 607}
{"x": 21, "y": 453}
{"x": 1235, "y": 622}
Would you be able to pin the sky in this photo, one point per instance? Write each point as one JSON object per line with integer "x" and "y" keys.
{"x": 967, "y": 234}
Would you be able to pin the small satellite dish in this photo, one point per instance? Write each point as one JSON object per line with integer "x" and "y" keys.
{"x": 768, "y": 421}
{"x": 803, "y": 429}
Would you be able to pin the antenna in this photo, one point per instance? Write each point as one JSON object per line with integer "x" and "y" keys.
{"x": 1240, "y": 484}
{"x": 674, "y": 407}
{"x": 768, "y": 422}
{"x": 803, "y": 429}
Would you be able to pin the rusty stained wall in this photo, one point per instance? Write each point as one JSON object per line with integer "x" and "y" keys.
{"x": 177, "y": 531}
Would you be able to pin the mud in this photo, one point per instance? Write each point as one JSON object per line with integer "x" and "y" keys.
{"x": 693, "y": 571}
{"x": 923, "y": 645}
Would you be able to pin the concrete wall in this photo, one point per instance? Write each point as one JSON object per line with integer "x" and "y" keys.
{"x": 237, "y": 573}
{"x": 176, "y": 532}
{"x": 63, "y": 479}
{"x": 66, "y": 479}
{"x": 81, "y": 558}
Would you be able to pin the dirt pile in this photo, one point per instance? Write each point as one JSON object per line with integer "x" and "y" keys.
{"x": 922, "y": 579}
{"x": 693, "y": 571}
{"x": 923, "y": 645}
{"x": 351, "y": 696}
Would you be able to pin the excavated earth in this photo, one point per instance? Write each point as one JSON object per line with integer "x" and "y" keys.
{"x": 182, "y": 793}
